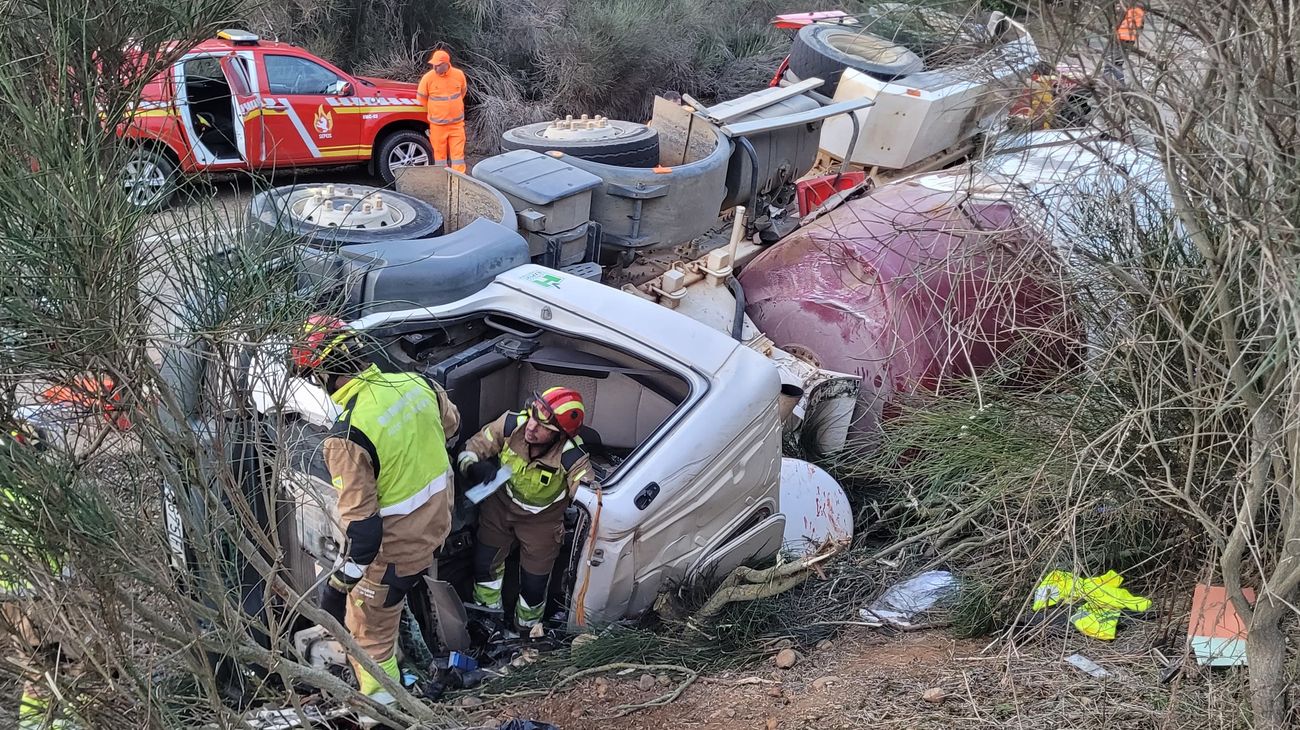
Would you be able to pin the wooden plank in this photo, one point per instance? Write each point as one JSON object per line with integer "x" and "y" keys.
{"x": 750, "y": 103}
{"x": 683, "y": 136}
{"x": 740, "y": 129}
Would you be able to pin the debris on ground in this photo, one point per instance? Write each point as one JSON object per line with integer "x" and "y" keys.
{"x": 821, "y": 683}
{"x": 293, "y": 718}
{"x": 1104, "y": 600}
{"x": 518, "y": 724}
{"x": 1216, "y": 632}
{"x": 786, "y": 659}
{"x": 934, "y": 696}
{"x": 1087, "y": 666}
{"x": 904, "y": 601}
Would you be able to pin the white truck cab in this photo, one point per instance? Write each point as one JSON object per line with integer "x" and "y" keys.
{"x": 682, "y": 427}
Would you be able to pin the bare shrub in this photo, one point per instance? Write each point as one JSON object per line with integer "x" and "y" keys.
{"x": 1185, "y": 414}
{"x": 176, "y": 623}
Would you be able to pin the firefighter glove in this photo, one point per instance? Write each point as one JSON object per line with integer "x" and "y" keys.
{"x": 480, "y": 472}
{"x": 334, "y": 601}
{"x": 465, "y": 459}
{"x": 346, "y": 576}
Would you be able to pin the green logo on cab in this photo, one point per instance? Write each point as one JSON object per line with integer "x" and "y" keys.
{"x": 544, "y": 280}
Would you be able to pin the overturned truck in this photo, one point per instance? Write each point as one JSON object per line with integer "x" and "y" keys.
{"x": 548, "y": 264}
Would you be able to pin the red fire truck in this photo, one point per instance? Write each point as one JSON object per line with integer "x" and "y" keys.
{"x": 236, "y": 102}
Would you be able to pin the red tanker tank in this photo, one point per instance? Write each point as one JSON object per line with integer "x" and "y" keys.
{"x": 911, "y": 287}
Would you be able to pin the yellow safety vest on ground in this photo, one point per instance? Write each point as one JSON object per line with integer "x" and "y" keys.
{"x": 1104, "y": 601}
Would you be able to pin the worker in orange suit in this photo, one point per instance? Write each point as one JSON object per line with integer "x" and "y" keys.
{"x": 1130, "y": 25}
{"x": 442, "y": 91}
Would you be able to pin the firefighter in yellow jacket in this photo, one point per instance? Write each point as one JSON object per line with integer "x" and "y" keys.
{"x": 387, "y": 456}
{"x": 541, "y": 447}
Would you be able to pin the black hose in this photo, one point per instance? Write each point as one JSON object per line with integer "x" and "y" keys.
{"x": 738, "y": 321}
{"x": 753, "y": 180}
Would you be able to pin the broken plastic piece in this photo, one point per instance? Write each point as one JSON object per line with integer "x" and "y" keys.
{"x": 1087, "y": 666}
{"x": 904, "y": 601}
{"x": 1216, "y": 632}
{"x": 464, "y": 662}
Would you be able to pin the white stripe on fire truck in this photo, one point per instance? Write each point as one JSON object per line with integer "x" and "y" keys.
{"x": 302, "y": 130}
{"x": 363, "y": 101}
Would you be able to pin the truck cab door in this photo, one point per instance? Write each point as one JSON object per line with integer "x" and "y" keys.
{"x": 250, "y": 129}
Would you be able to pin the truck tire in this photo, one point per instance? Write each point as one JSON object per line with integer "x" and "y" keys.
{"x": 401, "y": 149}
{"x": 292, "y": 210}
{"x": 622, "y": 144}
{"x": 824, "y": 51}
{"x": 149, "y": 178}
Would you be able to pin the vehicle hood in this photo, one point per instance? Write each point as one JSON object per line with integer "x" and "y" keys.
{"x": 388, "y": 86}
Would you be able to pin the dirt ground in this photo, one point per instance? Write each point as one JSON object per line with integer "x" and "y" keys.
{"x": 867, "y": 679}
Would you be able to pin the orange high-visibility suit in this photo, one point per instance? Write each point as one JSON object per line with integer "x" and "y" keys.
{"x": 443, "y": 96}
{"x": 1131, "y": 25}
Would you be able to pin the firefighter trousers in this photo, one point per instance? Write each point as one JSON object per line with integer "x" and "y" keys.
{"x": 448, "y": 142}
{"x": 374, "y": 615}
{"x": 540, "y": 535}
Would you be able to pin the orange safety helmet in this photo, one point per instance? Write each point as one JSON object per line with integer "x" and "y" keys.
{"x": 559, "y": 407}
{"x": 324, "y": 344}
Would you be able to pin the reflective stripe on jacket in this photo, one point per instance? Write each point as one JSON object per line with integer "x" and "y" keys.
{"x": 443, "y": 96}
{"x": 395, "y": 418}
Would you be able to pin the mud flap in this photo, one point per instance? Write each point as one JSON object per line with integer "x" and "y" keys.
{"x": 453, "y": 623}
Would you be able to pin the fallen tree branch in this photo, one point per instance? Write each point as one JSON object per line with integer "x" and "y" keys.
{"x": 662, "y": 700}
{"x": 748, "y": 584}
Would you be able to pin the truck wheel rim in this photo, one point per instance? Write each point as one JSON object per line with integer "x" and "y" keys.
{"x": 144, "y": 182}
{"x": 584, "y": 129}
{"x": 407, "y": 154}
{"x": 343, "y": 206}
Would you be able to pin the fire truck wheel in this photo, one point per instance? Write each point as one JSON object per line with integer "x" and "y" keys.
{"x": 149, "y": 178}
{"x": 607, "y": 141}
{"x": 330, "y": 215}
{"x": 401, "y": 149}
{"x": 824, "y": 51}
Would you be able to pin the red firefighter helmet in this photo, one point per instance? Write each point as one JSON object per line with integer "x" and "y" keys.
{"x": 560, "y": 408}
{"x": 324, "y": 344}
